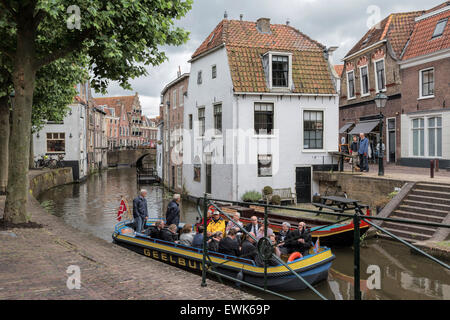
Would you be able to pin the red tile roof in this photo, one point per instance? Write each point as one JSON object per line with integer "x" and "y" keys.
{"x": 421, "y": 41}
{"x": 245, "y": 46}
{"x": 339, "y": 68}
{"x": 116, "y": 102}
{"x": 396, "y": 28}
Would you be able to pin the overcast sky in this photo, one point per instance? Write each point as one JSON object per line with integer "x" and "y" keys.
{"x": 331, "y": 22}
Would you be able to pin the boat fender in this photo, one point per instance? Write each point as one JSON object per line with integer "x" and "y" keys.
{"x": 127, "y": 231}
{"x": 294, "y": 256}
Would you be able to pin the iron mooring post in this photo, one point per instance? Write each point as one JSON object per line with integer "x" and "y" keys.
{"x": 356, "y": 263}
{"x": 205, "y": 247}
{"x": 431, "y": 168}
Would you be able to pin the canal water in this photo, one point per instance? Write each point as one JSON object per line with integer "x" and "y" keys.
{"x": 92, "y": 207}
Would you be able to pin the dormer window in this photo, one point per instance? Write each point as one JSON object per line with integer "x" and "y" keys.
{"x": 280, "y": 71}
{"x": 439, "y": 29}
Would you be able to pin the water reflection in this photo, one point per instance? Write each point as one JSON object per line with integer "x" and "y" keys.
{"x": 92, "y": 207}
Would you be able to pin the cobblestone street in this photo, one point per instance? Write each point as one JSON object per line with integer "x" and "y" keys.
{"x": 33, "y": 264}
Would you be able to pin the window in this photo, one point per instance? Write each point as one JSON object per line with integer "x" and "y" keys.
{"x": 190, "y": 122}
{"x": 426, "y": 83}
{"x": 439, "y": 30}
{"x": 313, "y": 129}
{"x": 435, "y": 137}
{"x": 364, "y": 80}
{"x": 264, "y": 165}
{"x": 201, "y": 120}
{"x": 199, "y": 77}
{"x": 214, "y": 71}
{"x": 351, "y": 84}
{"x": 197, "y": 172}
{"x": 380, "y": 77}
{"x": 174, "y": 98}
{"x": 418, "y": 137}
{"x": 181, "y": 98}
{"x": 280, "y": 67}
{"x": 263, "y": 118}
{"x": 218, "y": 119}
{"x": 179, "y": 175}
{"x": 56, "y": 142}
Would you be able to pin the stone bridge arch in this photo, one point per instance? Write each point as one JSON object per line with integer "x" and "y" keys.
{"x": 129, "y": 157}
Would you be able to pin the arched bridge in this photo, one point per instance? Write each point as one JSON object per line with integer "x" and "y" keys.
{"x": 129, "y": 157}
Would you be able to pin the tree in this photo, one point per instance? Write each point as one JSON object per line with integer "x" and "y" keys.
{"x": 120, "y": 37}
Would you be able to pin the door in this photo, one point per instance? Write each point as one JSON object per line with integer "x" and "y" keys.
{"x": 208, "y": 174}
{"x": 173, "y": 177}
{"x": 303, "y": 184}
{"x": 391, "y": 140}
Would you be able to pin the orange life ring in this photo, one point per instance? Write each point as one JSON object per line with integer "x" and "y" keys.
{"x": 294, "y": 256}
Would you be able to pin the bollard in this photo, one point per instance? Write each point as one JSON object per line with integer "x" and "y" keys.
{"x": 436, "y": 165}
{"x": 431, "y": 169}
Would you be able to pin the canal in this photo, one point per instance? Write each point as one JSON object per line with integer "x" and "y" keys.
{"x": 92, "y": 207}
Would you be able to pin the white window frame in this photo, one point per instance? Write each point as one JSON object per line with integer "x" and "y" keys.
{"x": 174, "y": 98}
{"x": 348, "y": 87}
{"x": 361, "y": 81}
{"x": 376, "y": 75}
{"x": 179, "y": 176}
{"x": 426, "y": 154}
{"x": 421, "y": 96}
{"x": 278, "y": 53}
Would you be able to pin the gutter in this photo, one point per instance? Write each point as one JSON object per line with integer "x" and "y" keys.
{"x": 363, "y": 50}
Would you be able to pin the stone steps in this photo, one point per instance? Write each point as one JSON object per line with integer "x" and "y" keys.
{"x": 433, "y": 186}
{"x": 426, "y": 205}
{"x": 426, "y": 210}
{"x": 408, "y": 236}
{"x": 410, "y": 228}
{"x": 431, "y": 200}
{"x": 430, "y": 193}
{"x": 416, "y": 216}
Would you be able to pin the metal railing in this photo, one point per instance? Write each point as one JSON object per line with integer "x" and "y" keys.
{"x": 357, "y": 218}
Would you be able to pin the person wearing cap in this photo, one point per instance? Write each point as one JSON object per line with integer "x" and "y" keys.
{"x": 216, "y": 224}
{"x": 173, "y": 211}
{"x": 140, "y": 210}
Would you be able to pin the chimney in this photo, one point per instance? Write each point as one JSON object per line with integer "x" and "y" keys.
{"x": 287, "y": 22}
{"x": 179, "y": 72}
{"x": 241, "y": 16}
{"x": 225, "y": 15}
{"x": 263, "y": 25}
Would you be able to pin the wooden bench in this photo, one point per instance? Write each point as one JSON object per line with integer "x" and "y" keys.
{"x": 285, "y": 194}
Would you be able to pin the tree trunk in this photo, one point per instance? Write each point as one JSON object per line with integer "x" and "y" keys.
{"x": 31, "y": 156}
{"x": 24, "y": 76}
{"x": 4, "y": 140}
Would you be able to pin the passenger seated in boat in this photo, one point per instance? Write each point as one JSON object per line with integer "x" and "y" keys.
{"x": 253, "y": 226}
{"x": 282, "y": 235}
{"x": 213, "y": 242}
{"x": 229, "y": 245}
{"x": 186, "y": 235}
{"x": 235, "y": 223}
{"x": 155, "y": 230}
{"x": 260, "y": 233}
{"x": 197, "y": 241}
{"x": 276, "y": 250}
{"x": 248, "y": 248}
{"x": 299, "y": 240}
{"x": 216, "y": 224}
{"x": 170, "y": 233}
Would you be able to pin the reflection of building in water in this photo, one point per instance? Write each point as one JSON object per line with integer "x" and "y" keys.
{"x": 432, "y": 288}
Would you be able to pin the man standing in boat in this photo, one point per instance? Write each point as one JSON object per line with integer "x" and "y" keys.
{"x": 140, "y": 211}
{"x": 173, "y": 211}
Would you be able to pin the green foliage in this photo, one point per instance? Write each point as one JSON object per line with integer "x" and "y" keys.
{"x": 251, "y": 196}
{"x": 276, "y": 200}
{"x": 267, "y": 190}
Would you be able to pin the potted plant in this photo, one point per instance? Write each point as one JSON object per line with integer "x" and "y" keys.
{"x": 251, "y": 196}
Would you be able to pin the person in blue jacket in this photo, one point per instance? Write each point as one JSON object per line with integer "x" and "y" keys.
{"x": 173, "y": 211}
{"x": 363, "y": 153}
{"x": 140, "y": 210}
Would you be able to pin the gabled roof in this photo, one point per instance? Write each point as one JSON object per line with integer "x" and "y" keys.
{"x": 421, "y": 41}
{"x": 395, "y": 28}
{"x": 339, "y": 68}
{"x": 116, "y": 102}
{"x": 245, "y": 46}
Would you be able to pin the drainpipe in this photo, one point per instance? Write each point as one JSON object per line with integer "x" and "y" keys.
{"x": 236, "y": 148}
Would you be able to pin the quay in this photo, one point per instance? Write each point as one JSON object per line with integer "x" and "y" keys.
{"x": 34, "y": 262}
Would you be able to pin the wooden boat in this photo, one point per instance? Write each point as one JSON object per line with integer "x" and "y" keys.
{"x": 313, "y": 267}
{"x": 334, "y": 235}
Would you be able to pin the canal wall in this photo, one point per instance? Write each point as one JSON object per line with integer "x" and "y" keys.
{"x": 41, "y": 181}
{"x": 369, "y": 190}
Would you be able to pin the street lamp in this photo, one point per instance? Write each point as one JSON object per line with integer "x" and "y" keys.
{"x": 380, "y": 101}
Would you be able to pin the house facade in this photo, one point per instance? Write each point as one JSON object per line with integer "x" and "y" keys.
{"x": 112, "y": 127}
{"x": 97, "y": 143}
{"x": 67, "y": 138}
{"x": 370, "y": 67}
{"x": 172, "y": 107}
{"x": 425, "y": 71}
{"x": 261, "y": 110}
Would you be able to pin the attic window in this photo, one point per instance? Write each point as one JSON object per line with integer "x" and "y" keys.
{"x": 366, "y": 39}
{"x": 211, "y": 39}
{"x": 439, "y": 30}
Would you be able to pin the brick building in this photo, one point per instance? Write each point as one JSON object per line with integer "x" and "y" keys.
{"x": 372, "y": 66}
{"x": 171, "y": 112}
{"x": 425, "y": 74}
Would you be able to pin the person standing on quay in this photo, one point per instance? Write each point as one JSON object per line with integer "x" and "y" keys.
{"x": 140, "y": 210}
{"x": 173, "y": 211}
{"x": 363, "y": 153}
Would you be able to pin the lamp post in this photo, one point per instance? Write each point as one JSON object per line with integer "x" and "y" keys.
{"x": 380, "y": 101}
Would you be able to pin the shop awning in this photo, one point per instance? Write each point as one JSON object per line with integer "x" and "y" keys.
{"x": 364, "y": 127}
{"x": 345, "y": 127}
